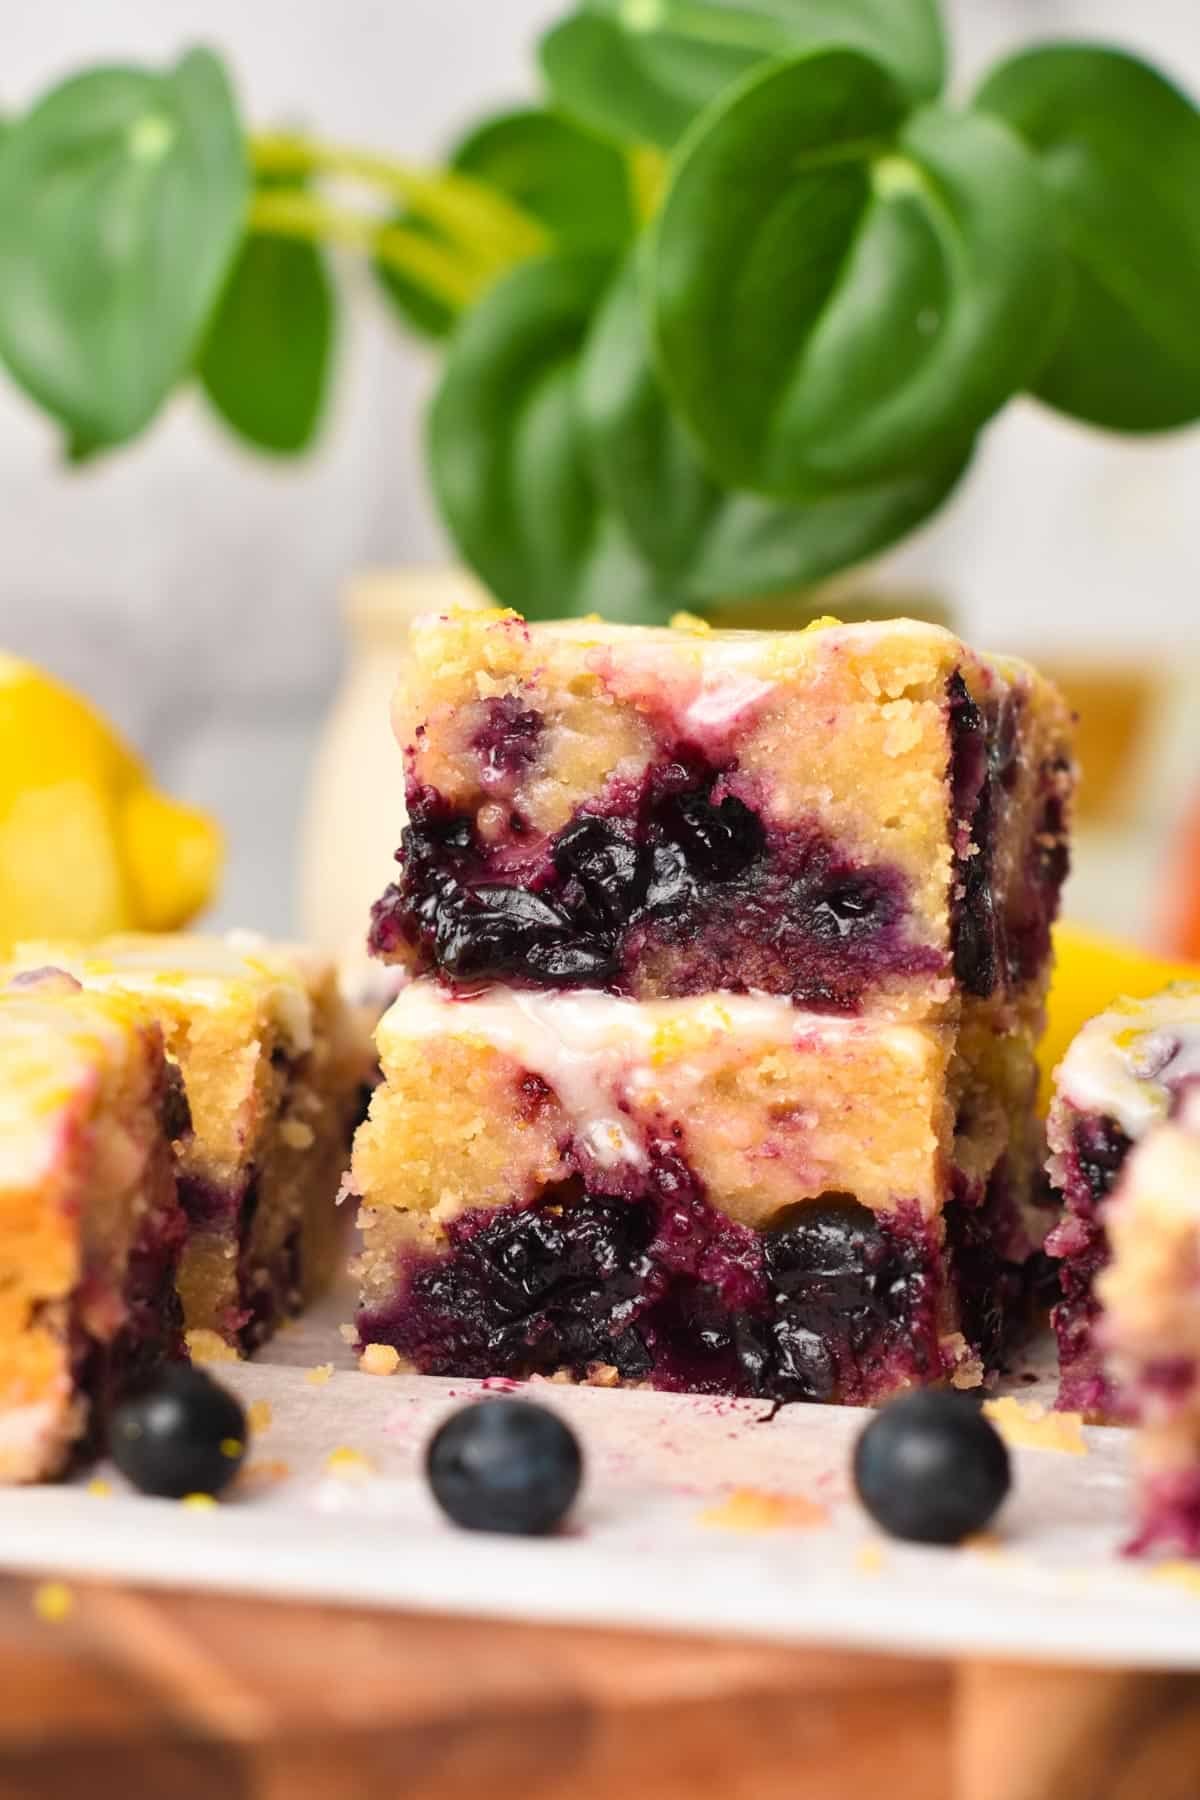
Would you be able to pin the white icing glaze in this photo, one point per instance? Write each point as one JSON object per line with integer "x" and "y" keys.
{"x": 48, "y": 1057}
{"x": 1129, "y": 1062}
{"x": 205, "y": 973}
{"x": 594, "y": 1048}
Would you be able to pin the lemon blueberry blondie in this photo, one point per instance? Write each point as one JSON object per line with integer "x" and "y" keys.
{"x": 1149, "y": 1323}
{"x": 719, "y": 1193}
{"x": 90, "y": 1226}
{"x": 860, "y": 817}
{"x": 272, "y": 1070}
{"x": 1124, "y": 1073}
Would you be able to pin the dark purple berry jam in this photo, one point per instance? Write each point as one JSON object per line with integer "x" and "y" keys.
{"x": 1095, "y": 1157}
{"x": 831, "y": 1302}
{"x": 673, "y": 884}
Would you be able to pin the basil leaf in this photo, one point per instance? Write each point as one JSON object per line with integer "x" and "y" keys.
{"x": 640, "y": 70}
{"x": 509, "y": 464}
{"x": 122, "y": 202}
{"x": 707, "y": 542}
{"x": 1120, "y": 148}
{"x": 843, "y": 292}
{"x": 265, "y": 363}
{"x": 575, "y": 183}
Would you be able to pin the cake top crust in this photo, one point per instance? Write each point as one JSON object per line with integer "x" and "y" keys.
{"x": 1135, "y": 1062}
{"x": 267, "y": 987}
{"x": 60, "y": 1046}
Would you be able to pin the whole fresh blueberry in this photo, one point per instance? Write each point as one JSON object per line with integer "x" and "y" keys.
{"x": 184, "y": 1434}
{"x": 930, "y": 1467}
{"x": 504, "y": 1465}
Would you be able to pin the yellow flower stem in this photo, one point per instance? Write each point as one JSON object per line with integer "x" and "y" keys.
{"x": 490, "y": 229}
{"x": 295, "y": 213}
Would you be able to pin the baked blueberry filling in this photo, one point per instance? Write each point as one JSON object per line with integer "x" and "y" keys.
{"x": 830, "y": 1302}
{"x": 674, "y": 883}
{"x": 1097, "y": 1152}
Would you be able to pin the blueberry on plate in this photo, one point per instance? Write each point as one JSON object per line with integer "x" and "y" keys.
{"x": 504, "y": 1465}
{"x": 931, "y": 1468}
{"x": 183, "y": 1434}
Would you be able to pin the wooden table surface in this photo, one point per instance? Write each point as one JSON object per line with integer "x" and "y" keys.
{"x": 138, "y": 1694}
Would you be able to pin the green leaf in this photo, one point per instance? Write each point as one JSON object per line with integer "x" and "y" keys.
{"x": 122, "y": 202}
{"x": 509, "y": 464}
{"x": 640, "y": 70}
{"x": 841, "y": 291}
{"x": 1120, "y": 148}
{"x": 707, "y": 542}
{"x": 265, "y": 364}
{"x": 575, "y": 183}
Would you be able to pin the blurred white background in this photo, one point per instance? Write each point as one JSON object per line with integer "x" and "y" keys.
{"x": 191, "y": 589}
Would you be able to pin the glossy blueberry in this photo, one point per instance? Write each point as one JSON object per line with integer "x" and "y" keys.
{"x": 504, "y": 1465}
{"x": 493, "y": 930}
{"x": 610, "y": 870}
{"x": 931, "y": 1468}
{"x": 720, "y": 841}
{"x": 849, "y": 910}
{"x": 184, "y": 1434}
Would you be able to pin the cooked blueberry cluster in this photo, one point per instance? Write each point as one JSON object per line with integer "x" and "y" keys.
{"x": 1098, "y": 1151}
{"x": 679, "y": 875}
{"x": 828, "y": 1303}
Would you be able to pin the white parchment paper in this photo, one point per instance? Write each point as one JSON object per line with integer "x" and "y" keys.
{"x": 1048, "y": 1583}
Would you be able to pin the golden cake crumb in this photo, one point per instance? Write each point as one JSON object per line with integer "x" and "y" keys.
{"x": 258, "y": 1416}
{"x": 379, "y": 1359}
{"x": 604, "y": 1375}
{"x": 755, "y": 1509}
{"x": 348, "y": 1334}
{"x": 198, "y": 1502}
{"x": 985, "y": 1543}
{"x": 1032, "y": 1427}
{"x": 869, "y": 1559}
{"x": 264, "y": 1472}
{"x": 53, "y": 1601}
{"x": 320, "y": 1375}
{"x": 348, "y": 1464}
{"x": 297, "y": 1135}
{"x": 204, "y": 1346}
{"x": 99, "y": 1488}
{"x": 1184, "y": 1575}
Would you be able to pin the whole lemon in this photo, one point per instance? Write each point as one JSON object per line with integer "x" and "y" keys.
{"x": 88, "y": 845}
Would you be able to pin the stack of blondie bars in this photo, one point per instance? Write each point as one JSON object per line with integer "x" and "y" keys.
{"x": 728, "y": 958}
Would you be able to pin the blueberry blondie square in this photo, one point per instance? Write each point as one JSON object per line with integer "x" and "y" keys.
{"x": 273, "y": 1067}
{"x": 1124, "y": 1073}
{"x": 719, "y": 1193}
{"x": 1149, "y": 1324}
{"x": 90, "y": 1225}
{"x": 867, "y": 817}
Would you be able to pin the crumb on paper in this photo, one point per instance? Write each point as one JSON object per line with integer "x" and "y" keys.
{"x": 53, "y": 1601}
{"x": 99, "y": 1489}
{"x": 869, "y": 1558}
{"x": 320, "y": 1375}
{"x": 198, "y": 1502}
{"x": 348, "y": 1464}
{"x": 204, "y": 1346}
{"x": 263, "y": 1473}
{"x": 756, "y": 1509}
{"x": 1185, "y": 1575}
{"x": 985, "y": 1543}
{"x": 1029, "y": 1425}
{"x": 379, "y": 1359}
{"x": 258, "y": 1417}
{"x": 348, "y": 1334}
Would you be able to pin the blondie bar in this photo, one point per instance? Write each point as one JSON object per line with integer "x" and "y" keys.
{"x": 272, "y": 1071}
{"x": 719, "y": 1193}
{"x": 868, "y": 817}
{"x": 1124, "y": 1073}
{"x": 1149, "y": 1324}
{"x": 90, "y": 1225}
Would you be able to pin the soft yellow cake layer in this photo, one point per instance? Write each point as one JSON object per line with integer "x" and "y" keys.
{"x": 272, "y": 1060}
{"x": 845, "y": 726}
{"x": 82, "y": 1159}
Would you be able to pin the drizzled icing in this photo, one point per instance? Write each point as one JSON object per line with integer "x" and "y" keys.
{"x": 1132, "y": 1062}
